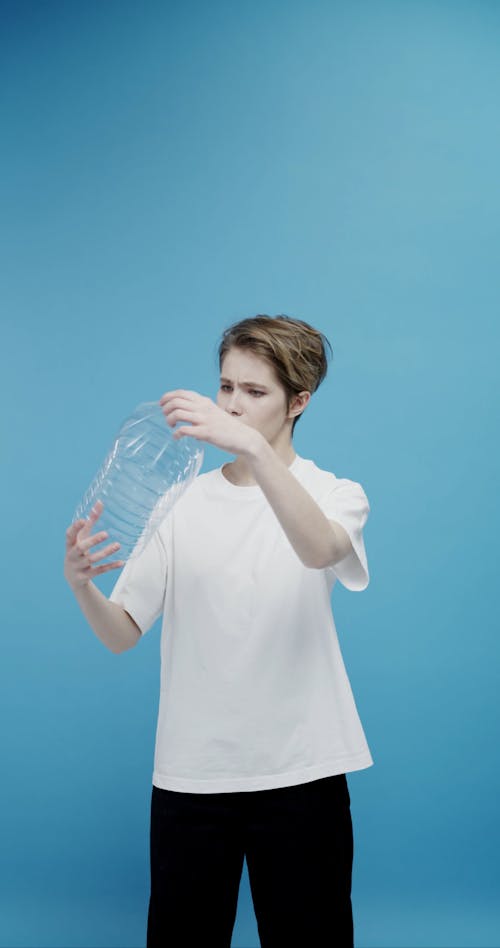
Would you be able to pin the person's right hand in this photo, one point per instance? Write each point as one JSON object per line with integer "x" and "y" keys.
{"x": 78, "y": 561}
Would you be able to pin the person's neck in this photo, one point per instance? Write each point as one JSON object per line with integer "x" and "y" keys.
{"x": 239, "y": 472}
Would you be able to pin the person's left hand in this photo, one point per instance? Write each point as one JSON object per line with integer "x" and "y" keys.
{"x": 208, "y": 422}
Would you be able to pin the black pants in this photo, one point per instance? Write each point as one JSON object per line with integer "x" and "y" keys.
{"x": 298, "y": 843}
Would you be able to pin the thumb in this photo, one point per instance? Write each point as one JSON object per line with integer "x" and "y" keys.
{"x": 72, "y": 531}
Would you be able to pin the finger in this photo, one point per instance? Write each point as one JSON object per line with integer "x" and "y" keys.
{"x": 73, "y": 528}
{"x": 168, "y": 396}
{"x": 180, "y": 395}
{"x": 83, "y": 545}
{"x": 101, "y": 554}
{"x": 94, "y": 515}
{"x": 173, "y": 415}
{"x": 103, "y": 569}
{"x": 97, "y": 510}
{"x": 72, "y": 531}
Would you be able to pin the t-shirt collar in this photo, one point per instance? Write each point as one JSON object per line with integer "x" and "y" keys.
{"x": 248, "y": 490}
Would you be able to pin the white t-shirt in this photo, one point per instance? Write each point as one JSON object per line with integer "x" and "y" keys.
{"x": 254, "y": 693}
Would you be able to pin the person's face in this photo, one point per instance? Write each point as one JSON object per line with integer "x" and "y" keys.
{"x": 250, "y": 391}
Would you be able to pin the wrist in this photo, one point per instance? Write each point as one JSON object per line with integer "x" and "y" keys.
{"x": 257, "y": 448}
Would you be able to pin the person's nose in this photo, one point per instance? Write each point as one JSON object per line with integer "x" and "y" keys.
{"x": 233, "y": 404}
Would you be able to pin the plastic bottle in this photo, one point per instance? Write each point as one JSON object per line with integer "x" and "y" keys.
{"x": 141, "y": 478}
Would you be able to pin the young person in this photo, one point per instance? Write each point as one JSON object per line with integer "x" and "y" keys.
{"x": 257, "y": 724}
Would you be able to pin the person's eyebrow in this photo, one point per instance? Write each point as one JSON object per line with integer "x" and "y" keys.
{"x": 257, "y": 384}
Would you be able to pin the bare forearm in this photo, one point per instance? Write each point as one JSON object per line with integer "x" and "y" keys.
{"x": 304, "y": 523}
{"x": 112, "y": 625}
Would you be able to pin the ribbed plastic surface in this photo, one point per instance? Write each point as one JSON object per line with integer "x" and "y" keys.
{"x": 140, "y": 480}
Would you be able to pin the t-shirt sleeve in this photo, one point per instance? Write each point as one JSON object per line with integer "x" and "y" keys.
{"x": 140, "y": 587}
{"x": 347, "y": 503}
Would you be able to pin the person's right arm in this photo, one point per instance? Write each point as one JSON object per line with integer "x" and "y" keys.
{"x": 110, "y": 622}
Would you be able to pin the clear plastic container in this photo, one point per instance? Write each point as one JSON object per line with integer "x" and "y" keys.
{"x": 143, "y": 475}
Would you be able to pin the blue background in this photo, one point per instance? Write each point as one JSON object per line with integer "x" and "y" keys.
{"x": 167, "y": 169}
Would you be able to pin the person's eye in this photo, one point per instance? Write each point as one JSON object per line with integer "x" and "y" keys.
{"x": 254, "y": 390}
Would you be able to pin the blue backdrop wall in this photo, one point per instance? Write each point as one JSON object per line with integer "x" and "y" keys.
{"x": 166, "y": 169}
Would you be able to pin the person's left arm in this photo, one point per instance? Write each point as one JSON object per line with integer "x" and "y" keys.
{"x": 318, "y": 541}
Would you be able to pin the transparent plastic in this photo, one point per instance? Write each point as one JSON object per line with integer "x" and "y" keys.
{"x": 141, "y": 478}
